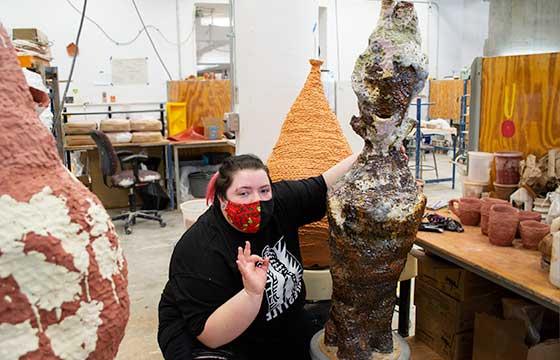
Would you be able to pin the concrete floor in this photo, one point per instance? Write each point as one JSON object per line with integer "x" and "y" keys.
{"x": 148, "y": 250}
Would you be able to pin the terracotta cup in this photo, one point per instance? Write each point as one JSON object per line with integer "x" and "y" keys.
{"x": 527, "y": 215}
{"x": 467, "y": 209}
{"x": 502, "y": 224}
{"x": 532, "y": 232}
{"x": 485, "y": 204}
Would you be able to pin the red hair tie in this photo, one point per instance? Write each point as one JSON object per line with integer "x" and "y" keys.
{"x": 211, "y": 189}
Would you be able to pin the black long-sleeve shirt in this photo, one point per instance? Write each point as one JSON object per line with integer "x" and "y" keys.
{"x": 203, "y": 273}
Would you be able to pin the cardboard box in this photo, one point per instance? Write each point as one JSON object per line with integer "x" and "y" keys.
{"x": 213, "y": 128}
{"x": 31, "y": 34}
{"x": 445, "y": 324}
{"x": 496, "y": 339}
{"x": 435, "y": 308}
{"x": 458, "y": 347}
{"x": 451, "y": 279}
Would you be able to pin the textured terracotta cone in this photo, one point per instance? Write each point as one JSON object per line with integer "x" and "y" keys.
{"x": 310, "y": 142}
{"x": 63, "y": 277}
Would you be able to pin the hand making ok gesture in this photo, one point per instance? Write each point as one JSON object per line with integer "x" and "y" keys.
{"x": 253, "y": 270}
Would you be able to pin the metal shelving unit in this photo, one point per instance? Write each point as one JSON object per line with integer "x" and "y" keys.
{"x": 418, "y": 140}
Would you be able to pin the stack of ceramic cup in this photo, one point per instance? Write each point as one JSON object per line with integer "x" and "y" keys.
{"x": 507, "y": 173}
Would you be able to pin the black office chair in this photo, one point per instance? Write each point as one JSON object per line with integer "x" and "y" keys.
{"x": 129, "y": 179}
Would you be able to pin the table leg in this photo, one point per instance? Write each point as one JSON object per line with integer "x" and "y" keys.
{"x": 170, "y": 171}
{"x": 404, "y": 307}
{"x": 177, "y": 174}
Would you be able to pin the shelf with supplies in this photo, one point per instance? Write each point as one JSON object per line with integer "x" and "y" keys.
{"x": 121, "y": 145}
{"x": 228, "y": 144}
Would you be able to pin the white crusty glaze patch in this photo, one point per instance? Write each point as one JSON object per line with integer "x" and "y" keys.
{"x": 97, "y": 218}
{"x": 336, "y": 211}
{"x": 109, "y": 260}
{"x": 17, "y": 340}
{"x": 45, "y": 214}
{"x": 75, "y": 337}
{"x": 47, "y": 285}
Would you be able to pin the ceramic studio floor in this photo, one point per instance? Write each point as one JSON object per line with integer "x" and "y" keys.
{"x": 148, "y": 250}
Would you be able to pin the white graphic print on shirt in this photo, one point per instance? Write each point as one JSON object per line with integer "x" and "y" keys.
{"x": 284, "y": 279}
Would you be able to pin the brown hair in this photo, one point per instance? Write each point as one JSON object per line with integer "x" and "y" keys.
{"x": 221, "y": 181}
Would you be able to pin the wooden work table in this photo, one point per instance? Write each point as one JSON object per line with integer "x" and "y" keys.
{"x": 516, "y": 269}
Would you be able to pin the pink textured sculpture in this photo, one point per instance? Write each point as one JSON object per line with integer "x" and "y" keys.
{"x": 63, "y": 277}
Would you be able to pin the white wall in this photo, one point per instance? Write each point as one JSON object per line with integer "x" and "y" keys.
{"x": 523, "y": 27}
{"x": 118, "y": 18}
{"x": 460, "y": 31}
{"x": 274, "y": 40}
{"x": 463, "y": 31}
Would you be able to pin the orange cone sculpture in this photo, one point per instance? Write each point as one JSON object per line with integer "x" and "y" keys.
{"x": 63, "y": 277}
{"x": 311, "y": 141}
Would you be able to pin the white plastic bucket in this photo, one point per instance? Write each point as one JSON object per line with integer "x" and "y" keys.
{"x": 479, "y": 166}
{"x": 191, "y": 210}
{"x": 474, "y": 189}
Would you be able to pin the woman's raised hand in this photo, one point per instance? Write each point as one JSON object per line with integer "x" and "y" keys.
{"x": 253, "y": 270}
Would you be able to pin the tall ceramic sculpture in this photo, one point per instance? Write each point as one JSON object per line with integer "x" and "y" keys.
{"x": 310, "y": 142}
{"x": 374, "y": 212}
{"x": 62, "y": 273}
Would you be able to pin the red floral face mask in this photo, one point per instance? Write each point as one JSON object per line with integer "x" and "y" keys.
{"x": 249, "y": 218}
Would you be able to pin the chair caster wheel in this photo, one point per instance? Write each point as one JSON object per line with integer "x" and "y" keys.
{"x": 162, "y": 224}
{"x": 127, "y": 230}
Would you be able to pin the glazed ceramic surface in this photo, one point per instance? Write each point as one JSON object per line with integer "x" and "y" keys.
{"x": 374, "y": 212}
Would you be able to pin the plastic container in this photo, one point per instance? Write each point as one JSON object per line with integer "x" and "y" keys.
{"x": 474, "y": 189}
{"x": 479, "y": 166}
{"x": 554, "y": 210}
{"x": 191, "y": 210}
{"x": 176, "y": 117}
{"x": 198, "y": 182}
{"x": 504, "y": 191}
{"x": 507, "y": 167}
